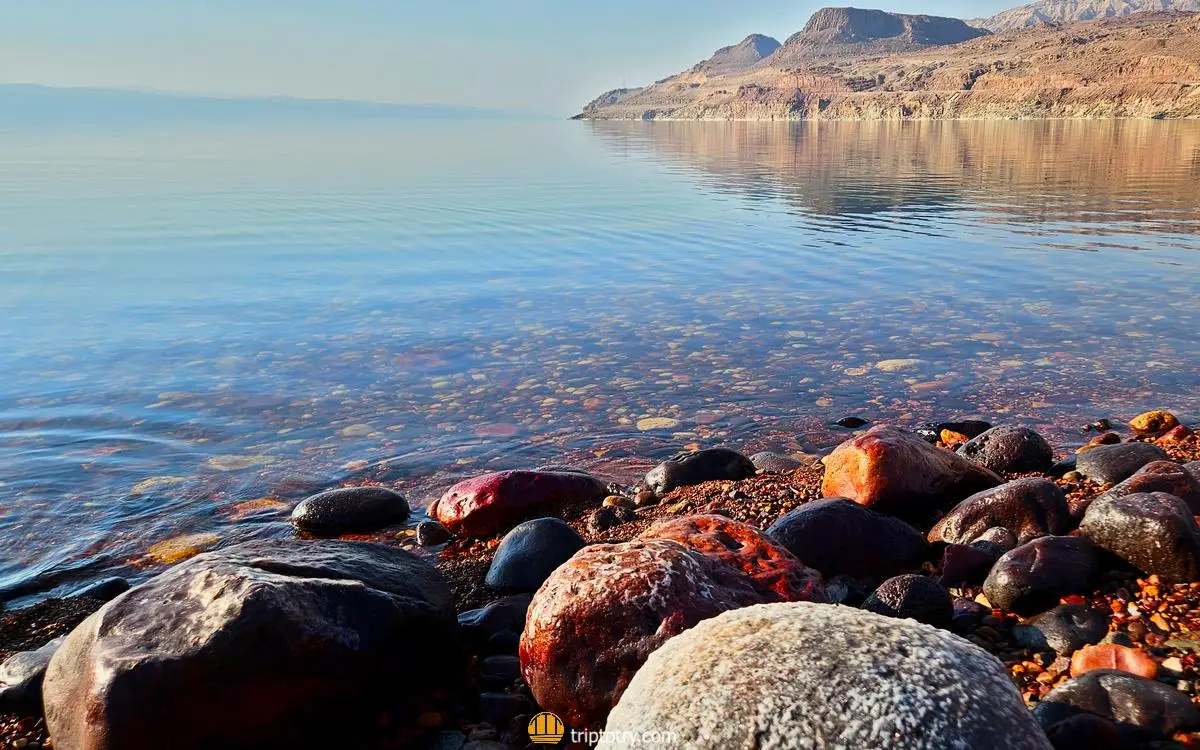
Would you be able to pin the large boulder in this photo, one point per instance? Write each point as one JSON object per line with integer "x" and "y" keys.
{"x": 840, "y": 537}
{"x": 1141, "y": 708}
{"x": 530, "y": 552}
{"x": 775, "y": 572}
{"x": 897, "y": 472}
{"x": 1156, "y": 476}
{"x": 1152, "y": 531}
{"x": 350, "y": 509}
{"x": 492, "y": 503}
{"x": 1033, "y": 577}
{"x": 694, "y": 467}
{"x": 596, "y": 619}
{"x": 1109, "y": 464}
{"x": 804, "y": 675}
{"x": 268, "y": 644}
{"x": 1009, "y": 450}
{"x": 1027, "y": 507}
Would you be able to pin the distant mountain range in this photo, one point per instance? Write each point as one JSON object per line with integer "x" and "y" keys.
{"x": 850, "y": 63}
{"x": 26, "y": 104}
{"x": 1069, "y": 11}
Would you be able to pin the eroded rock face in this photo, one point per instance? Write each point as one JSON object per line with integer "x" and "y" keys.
{"x": 267, "y": 644}
{"x": 913, "y": 597}
{"x": 1157, "y": 476}
{"x": 491, "y": 503}
{"x": 1152, "y": 531}
{"x": 1116, "y": 463}
{"x": 899, "y": 473}
{"x": 596, "y": 619}
{"x": 350, "y": 509}
{"x": 776, "y": 573}
{"x": 1139, "y": 707}
{"x": 840, "y": 537}
{"x": 1027, "y": 507}
{"x": 530, "y": 552}
{"x": 1010, "y": 450}
{"x": 1033, "y": 577}
{"x": 810, "y": 675}
{"x": 694, "y": 467}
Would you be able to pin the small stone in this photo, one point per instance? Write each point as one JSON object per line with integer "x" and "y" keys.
{"x": 617, "y": 501}
{"x": 840, "y": 537}
{"x": 502, "y": 615}
{"x": 695, "y": 467}
{"x": 913, "y": 597}
{"x": 1072, "y": 476}
{"x": 1112, "y": 656}
{"x": 774, "y": 463}
{"x": 431, "y": 534}
{"x": 1064, "y": 629}
{"x": 851, "y": 423}
{"x": 650, "y": 424}
{"x": 530, "y": 553}
{"x": 1085, "y": 732}
{"x": 1116, "y": 463}
{"x": 645, "y": 498}
{"x": 608, "y": 517}
{"x": 350, "y": 509}
{"x": 1154, "y": 532}
{"x": 1153, "y": 423}
{"x": 1030, "y": 508}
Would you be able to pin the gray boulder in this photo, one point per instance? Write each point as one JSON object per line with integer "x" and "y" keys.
{"x": 1009, "y": 450}
{"x": 530, "y": 552}
{"x": 1033, "y": 577}
{"x": 269, "y": 644}
{"x": 1110, "y": 464}
{"x": 21, "y": 678}
{"x": 350, "y": 509}
{"x": 1141, "y": 708}
{"x": 1152, "y": 531}
{"x": 802, "y": 675}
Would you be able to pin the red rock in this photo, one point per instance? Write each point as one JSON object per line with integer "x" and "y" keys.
{"x": 774, "y": 571}
{"x": 1112, "y": 656}
{"x": 897, "y": 472}
{"x": 1178, "y": 434}
{"x": 493, "y": 503}
{"x": 597, "y": 618}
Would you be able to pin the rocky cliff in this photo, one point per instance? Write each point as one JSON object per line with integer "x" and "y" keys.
{"x": 1069, "y": 11}
{"x": 1143, "y": 65}
{"x": 854, "y": 31}
{"x": 742, "y": 56}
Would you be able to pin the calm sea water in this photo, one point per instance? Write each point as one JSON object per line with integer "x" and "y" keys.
{"x": 202, "y": 324}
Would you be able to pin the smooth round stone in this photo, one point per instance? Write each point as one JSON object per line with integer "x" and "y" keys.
{"x": 1140, "y": 708}
{"x": 696, "y": 467}
{"x": 838, "y": 536}
{"x": 1033, "y": 577}
{"x": 1064, "y": 629}
{"x": 1110, "y": 464}
{"x": 1009, "y": 450}
{"x": 1029, "y": 508}
{"x": 350, "y": 509}
{"x": 1152, "y": 531}
{"x": 774, "y": 463}
{"x": 531, "y": 552}
{"x": 432, "y": 533}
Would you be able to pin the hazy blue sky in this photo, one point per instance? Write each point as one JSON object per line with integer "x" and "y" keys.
{"x": 546, "y": 55}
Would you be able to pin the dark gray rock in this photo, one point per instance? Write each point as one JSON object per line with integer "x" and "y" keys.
{"x": 609, "y": 517}
{"x": 350, "y": 509}
{"x": 851, "y": 423}
{"x": 968, "y": 565}
{"x": 502, "y": 615}
{"x": 840, "y": 537}
{"x": 1156, "y": 476}
{"x": 530, "y": 552}
{"x": 432, "y": 533}
{"x": 268, "y": 644}
{"x": 1064, "y": 629}
{"x": 774, "y": 463}
{"x": 1029, "y": 508}
{"x": 1116, "y": 463}
{"x": 498, "y": 709}
{"x": 1033, "y": 577}
{"x": 21, "y": 678}
{"x": 1141, "y": 708}
{"x": 1153, "y": 531}
{"x": 694, "y": 467}
{"x": 1009, "y": 450}
{"x": 1193, "y": 468}
{"x": 804, "y": 675}
{"x": 1001, "y": 537}
{"x": 968, "y": 614}
{"x": 913, "y": 597}
{"x": 105, "y": 589}
{"x": 1085, "y": 732}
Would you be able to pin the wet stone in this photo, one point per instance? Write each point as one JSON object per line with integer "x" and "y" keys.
{"x": 1064, "y": 629}
{"x": 1027, "y": 507}
{"x": 1110, "y": 464}
{"x": 432, "y": 533}
{"x": 530, "y": 552}
{"x": 1157, "y": 476}
{"x": 1140, "y": 708}
{"x": 1033, "y": 577}
{"x": 1009, "y": 450}
{"x": 840, "y": 537}
{"x": 913, "y": 597}
{"x": 694, "y": 467}
{"x": 774, "y": 463}
{"x": 1085, "y": 732}
{"x": 1154, "y": 532}
{"x": 350, "y": 509}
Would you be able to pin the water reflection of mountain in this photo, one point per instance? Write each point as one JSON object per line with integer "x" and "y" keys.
{"x": 1059, "y": 170}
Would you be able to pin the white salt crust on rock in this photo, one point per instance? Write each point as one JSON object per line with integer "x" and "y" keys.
{"x": 803, "y": 675}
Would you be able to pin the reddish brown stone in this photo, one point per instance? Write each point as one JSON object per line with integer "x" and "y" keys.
{"x": 493, "y": 503}
{"x": 1029, "y": 508}
{"x": 1154, "y": 422}
{"x": 774, "y": 571}
{"x": 1177, "y": 435}
{"x": 594, "y": 622}
{"x": 1112, "y": 656}
{"x": 1157, "y": 476}
{"x": 897, "y": 472}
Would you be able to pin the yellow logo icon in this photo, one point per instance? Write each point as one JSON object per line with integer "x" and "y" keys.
{"x": 546, "y": 729}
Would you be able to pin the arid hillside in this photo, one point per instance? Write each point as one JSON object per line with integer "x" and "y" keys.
{"x": 1069, "y": 11}
{"x": 1145, "y": 65}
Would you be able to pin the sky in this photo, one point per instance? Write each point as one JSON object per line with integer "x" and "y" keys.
{"x": 542, "y": 56}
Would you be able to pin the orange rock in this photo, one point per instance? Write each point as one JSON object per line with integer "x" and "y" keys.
{"x": 898, "y": 472}
{"x": 1112, "y": 656}
{"x": 950, "y": 437}
{"x": 1154, "y": 422}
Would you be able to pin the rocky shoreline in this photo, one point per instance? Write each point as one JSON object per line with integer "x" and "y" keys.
{"x": 1045, "y": 598}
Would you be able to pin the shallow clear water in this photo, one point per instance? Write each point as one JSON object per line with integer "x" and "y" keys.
{"x": 194, "y": 317}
